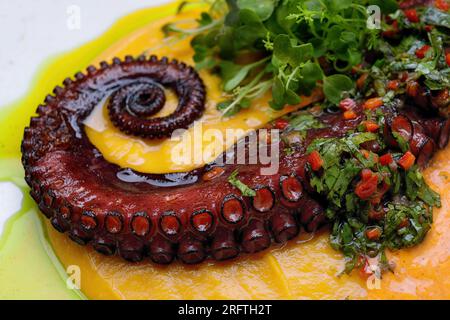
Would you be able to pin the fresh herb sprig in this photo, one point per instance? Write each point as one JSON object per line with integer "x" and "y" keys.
{"x": 293, "y": 45}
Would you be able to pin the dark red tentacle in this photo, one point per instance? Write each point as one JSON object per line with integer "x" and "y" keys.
{"x": 188, "y": 216}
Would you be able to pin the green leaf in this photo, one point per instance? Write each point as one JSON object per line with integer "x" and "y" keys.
{"x": 263, "y": 8}
{"x": 205, "y": 19}
{"x": 226, "y": 44}
{"x": 282, "y": 96}
{"x": 282, "y": 12}
{"x": 320, "y": 47}
{"x": 386, "y": 6}
{"x": 402, "y": 143}
{"x": 429, "y": 196}
{"x": 278, "y": 91}
{"x": 250, "y": 29}
{"x": 294, "y": 55}
{"x": 419, "y": 223}
{"x": 232, "y": 74}
{"x": 291, "y": 97}
{"x": 337, "y": 5}
{"x": 225, "y": 105}
{"x": 416, "y": 187}
{"x": 335, "y": 85}
{"x": 346, "y": 233}
{"x": 360, "y": 138}
{"x": 309, "y": 75}
{"x": 304, "y": 121}
{"x": 232, "y": 17}
{"x": 245, "y": 190}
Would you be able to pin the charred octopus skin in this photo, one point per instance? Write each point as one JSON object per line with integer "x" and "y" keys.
{"x": 87, "y": 197}
{"x": 144, "y": 96}
{"x": 195, "y": 215}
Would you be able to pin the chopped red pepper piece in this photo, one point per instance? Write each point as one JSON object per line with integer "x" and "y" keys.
{"x": 422, "y": 51}
{"x": 315, "y": 160}
{"x": 412, "y": 88}
{"x": 366, "y": 173}
{"x": 365, "y": 271}
{"x": 356, "y": 68}
{"x": 373, "y": 233}
{"x": 362, "y": 80}
{"x": 371, "y": 126}
{"x": 349, "y": 115}
{"x": 407, "y": 160}
{"x": 386, "y": 159}
{"x": 365, "y": 153}
{"x": 442, "y": 5}
{"x": 428, "y": 28}
{"x": 373, "y": 103}
{"x": 281, "y": 124}
{"x": 403, "y": 223}
{"x": 404, "y": 76}
{"x": 392, "y": 30}
{"x": 411, "y": 15}
{"x": 393, "y": 85}
{"x": 376, "y": 215}
{"x": 368, "y": 184}
{"x": 447, "y": 59}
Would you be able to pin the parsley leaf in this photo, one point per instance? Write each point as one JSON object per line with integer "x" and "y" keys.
{"x": 245, "y": 190}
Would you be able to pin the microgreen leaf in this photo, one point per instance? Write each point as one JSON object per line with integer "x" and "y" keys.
{"x": 232, "y": 74}
{"x": 285, "y": 52}
{"x": 335, "y": 85}
{"x": 386, "y": 6}
{"x": 337, "y": 5}
{"x": 263, "y": 8}
{"x": 250, "y": 29}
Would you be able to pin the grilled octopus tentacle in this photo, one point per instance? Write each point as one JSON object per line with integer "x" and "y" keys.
{"x": 144, "y": 96}
{"x": 118, "y": 210}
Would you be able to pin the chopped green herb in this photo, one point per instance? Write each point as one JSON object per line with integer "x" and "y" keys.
{"x": 417, "y": 188}
{"x": 406, "y": 225}
{"x": 402, "y": 143}
{"x": 303, "y": 121}
{"x": 245, "y": 190}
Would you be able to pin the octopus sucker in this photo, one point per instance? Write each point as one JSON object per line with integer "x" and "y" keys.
{"x": 206, "y": 217}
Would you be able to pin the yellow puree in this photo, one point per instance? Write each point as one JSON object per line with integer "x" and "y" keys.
{"x": 300, "y": 270}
